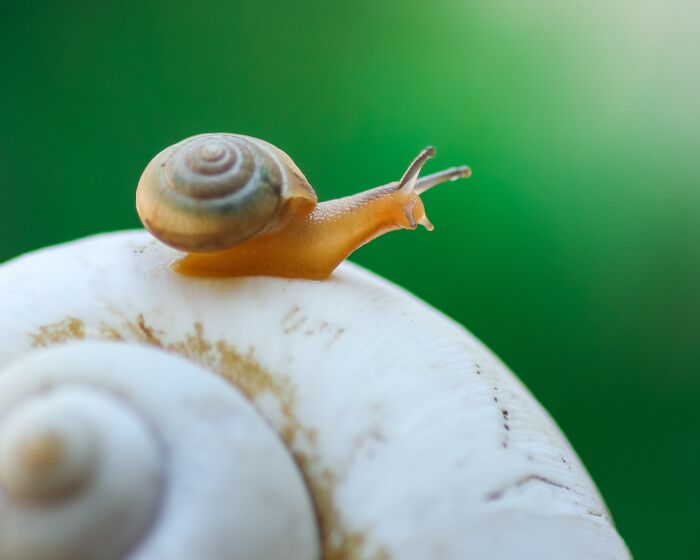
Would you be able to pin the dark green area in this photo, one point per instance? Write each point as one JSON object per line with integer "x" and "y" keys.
{"x": 574, "y": 251}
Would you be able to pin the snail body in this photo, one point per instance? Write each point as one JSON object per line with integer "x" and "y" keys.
{"x": 412, "y": 439}
{"x": 239, "y": 206}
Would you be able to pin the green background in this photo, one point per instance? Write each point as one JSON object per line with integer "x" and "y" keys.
{"x": 574, "y": 251}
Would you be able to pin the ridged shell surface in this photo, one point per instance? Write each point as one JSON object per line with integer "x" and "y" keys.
{"x": 211, "y": 191}
{"x": 414, "y": 439}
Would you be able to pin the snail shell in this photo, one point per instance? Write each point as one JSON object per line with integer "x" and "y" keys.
{"x": 102, "y": 450}
{"x": 212, "y": 191}
{"x": 414, "y": 440}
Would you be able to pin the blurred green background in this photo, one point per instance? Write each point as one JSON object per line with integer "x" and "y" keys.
{"x": 574, "y": 251}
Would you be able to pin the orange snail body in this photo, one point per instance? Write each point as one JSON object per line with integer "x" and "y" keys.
{"x": 241, "y": 207}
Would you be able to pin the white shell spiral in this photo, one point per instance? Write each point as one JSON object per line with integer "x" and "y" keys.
{"x": 415, "y": 441}
{"x": 109, "y": 449}
{"x": 74, "y": 461}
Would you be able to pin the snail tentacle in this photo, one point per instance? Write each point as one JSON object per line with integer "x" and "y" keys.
{"x": 447, "y": 175}
{"x": 407, "y": 183}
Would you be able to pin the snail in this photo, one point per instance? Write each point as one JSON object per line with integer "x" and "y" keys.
{"x": 241, "y": 207}
{"x": 266, "y": 418}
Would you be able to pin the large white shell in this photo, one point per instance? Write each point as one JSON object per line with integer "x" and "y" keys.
{"x": 415, "y": 440}
{"x": 182, "y": 467}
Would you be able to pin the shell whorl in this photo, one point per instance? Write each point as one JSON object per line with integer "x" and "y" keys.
{"x": 76, "y": 460}
{"x": 415, "y": 440}
{"x": 212, "y": 191}
{"x": 111, "y": 450}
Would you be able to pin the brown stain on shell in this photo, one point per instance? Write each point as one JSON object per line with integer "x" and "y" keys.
{"x": 42, "y": 454}
{"x": 243, "y": 371}
{"x": 56, "y": 333}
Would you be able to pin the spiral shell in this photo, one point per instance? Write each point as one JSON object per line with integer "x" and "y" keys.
{"x": 212, "y": 191}
{"x": 414, "y": 440}
{"x": 109, "y": 449}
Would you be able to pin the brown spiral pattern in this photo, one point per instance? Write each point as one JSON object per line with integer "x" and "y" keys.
{"x": 212, "y": 191}
{"x": 211, "y": 166}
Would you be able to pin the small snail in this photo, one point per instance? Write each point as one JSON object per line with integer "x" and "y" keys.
{"x": 266, "y": 418}
{"x": 241, "y": 207}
